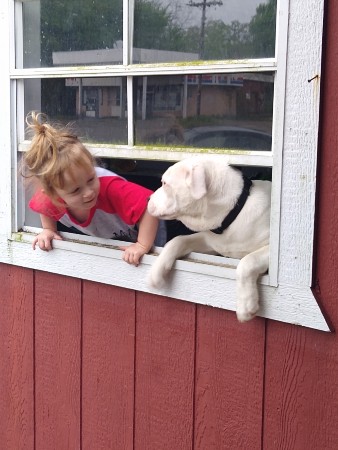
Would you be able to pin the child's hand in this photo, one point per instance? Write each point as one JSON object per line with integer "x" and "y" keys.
{"x": 133, "y": 253}
{"x": 44, "y": 239}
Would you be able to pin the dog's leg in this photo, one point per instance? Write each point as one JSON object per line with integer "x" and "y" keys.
{"x": 248, "y": 270}
{"x": 176, "y": 248}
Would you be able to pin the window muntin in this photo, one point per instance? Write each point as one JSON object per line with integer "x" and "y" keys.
{"x": 159, "y": 28}
{"x": 188, "y": 109}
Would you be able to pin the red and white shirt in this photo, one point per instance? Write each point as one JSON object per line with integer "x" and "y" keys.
{"x": 119, "y": 207}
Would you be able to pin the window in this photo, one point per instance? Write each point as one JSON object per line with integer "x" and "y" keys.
{"x": 154, "y": 81}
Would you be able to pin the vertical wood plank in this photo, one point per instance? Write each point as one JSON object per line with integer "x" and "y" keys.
{"x": 16, "y": 358}
{"x": 301, "y": 397}
{"x": 57, "y": 369}
{"x": 326, "y": 240}
{"x": 229, "y": 381}
{"x": 301, "y": 394}
{"x": 108, "y": 367}
{"x": 165, "y": 348}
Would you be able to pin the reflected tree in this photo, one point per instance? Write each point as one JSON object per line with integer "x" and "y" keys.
{"x": 155, "y": 27}
{"x": 243, "y": 40}
{"x": 227, "y": 41}
{"x": 69, "y": 25}
{"x": 262, "y": 29}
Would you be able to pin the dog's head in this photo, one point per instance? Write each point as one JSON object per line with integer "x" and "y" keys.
{"x": 183, "y": 186}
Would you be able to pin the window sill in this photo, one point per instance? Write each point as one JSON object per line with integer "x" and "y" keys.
{"x": 191, "y": 279}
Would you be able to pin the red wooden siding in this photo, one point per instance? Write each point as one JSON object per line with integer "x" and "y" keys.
{"x": 108, "y": 361}
{"x": 102, "y": 367}
{"x": 16, "y": 358}
{"x": 301, "y": 369}
{"x": 89, "y": 366}
{"x": 164, "y": 373}
{"x": 229, "y": 381}
{"x": 57, "y": 361}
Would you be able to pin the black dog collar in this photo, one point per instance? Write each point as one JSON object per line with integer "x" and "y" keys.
{"x": 237, "y": 208}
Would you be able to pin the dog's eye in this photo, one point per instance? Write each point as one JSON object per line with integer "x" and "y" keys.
{"x": 163, "y": 183}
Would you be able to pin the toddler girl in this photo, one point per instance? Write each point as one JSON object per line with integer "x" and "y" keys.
{"x": 77, "y": 194}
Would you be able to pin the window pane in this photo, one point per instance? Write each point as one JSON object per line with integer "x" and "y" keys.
{"x": 96, "y": 107}
{"x": 90, "y": 29}
{"x": 84, "y": 32}
{"x": 228, "y": 111}
{"x": 175, "y": 30}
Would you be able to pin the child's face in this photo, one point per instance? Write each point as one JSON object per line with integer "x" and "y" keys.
{"x": 81, "y": 188}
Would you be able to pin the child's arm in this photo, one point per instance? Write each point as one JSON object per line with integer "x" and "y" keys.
{"x": 49, "y": 232}
{"x": 146, "y": 236}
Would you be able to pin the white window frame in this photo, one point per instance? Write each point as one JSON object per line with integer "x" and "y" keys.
{"x": 286, "y": 291}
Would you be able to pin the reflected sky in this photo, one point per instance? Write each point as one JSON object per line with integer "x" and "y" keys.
{"x": 230, "y": 10}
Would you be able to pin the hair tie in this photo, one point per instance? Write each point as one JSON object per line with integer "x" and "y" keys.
{"x": 42, "y": 130}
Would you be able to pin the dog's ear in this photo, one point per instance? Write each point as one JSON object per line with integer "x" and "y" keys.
{"x": 196, "y": 180}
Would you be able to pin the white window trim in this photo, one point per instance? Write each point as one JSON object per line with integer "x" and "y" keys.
{"x": 285, "y": 293}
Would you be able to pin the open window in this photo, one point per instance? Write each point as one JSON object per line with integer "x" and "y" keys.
{"x": 146, "y": 83}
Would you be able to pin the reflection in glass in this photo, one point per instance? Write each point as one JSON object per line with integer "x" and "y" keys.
{"x": 84, "y": 32}
{"x": 175, "y": 30}
{"x": 53, "y": 28}
{"x": 223, "y": 111}
{"x": 96, "y": 107}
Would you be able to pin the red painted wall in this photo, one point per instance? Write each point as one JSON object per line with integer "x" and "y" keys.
{"x": 90, "y": 366}
{"x": 301, "y": 365}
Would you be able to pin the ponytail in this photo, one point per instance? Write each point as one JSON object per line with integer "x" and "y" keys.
{"x": 53, "y": 150}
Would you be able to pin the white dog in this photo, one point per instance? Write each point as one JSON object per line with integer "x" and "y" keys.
{"x": 231, "y": 215}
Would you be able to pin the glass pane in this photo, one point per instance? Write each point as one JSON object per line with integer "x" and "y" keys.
{"x": 228, "y": 111}
{"x": 175, "y": 30}
{"x": 85, "y": 32}
{"x": 96, "y": 107}
{"x": 71, "y": 32}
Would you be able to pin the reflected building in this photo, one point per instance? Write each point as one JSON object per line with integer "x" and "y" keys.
{"x": 227, "y": 95}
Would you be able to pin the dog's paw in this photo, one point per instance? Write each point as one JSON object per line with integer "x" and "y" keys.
{"x": 247, "y": 312}
{"x": 160, "y": 270}
{"x": 155, "y": 280}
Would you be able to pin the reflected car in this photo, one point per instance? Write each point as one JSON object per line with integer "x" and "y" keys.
{"x": 232, "y": 138}
{"x": 227, "y": 137}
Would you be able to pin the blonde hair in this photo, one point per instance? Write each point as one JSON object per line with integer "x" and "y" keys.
{"x": 53, "y": 151}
